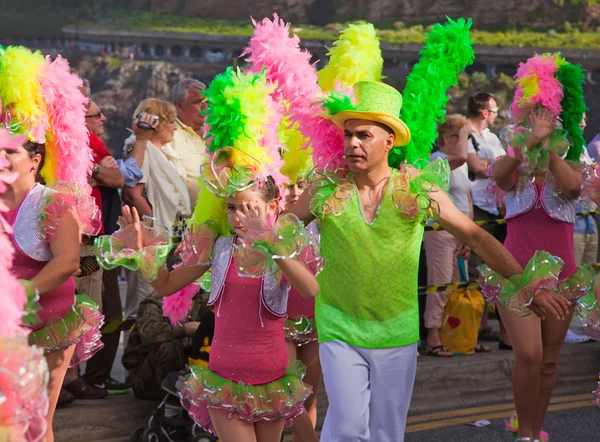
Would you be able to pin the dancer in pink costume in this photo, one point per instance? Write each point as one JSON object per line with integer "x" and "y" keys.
{"x": 250, "y": 389}
{"x": 24, "y": 374}
{"x": 43, "y": 101}
{"x": 541, "y": 196}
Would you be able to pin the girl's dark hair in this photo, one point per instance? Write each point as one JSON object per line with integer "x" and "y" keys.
{"x": 269, "y": 190}
{"x": 34, "y": 149}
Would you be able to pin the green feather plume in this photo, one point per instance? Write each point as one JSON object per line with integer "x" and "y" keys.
{"x": 447, "y": 51}
{"x": 572, "y": 78}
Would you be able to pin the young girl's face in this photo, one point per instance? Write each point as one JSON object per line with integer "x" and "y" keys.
{"x": 241, "y": 202}
{"x": 295, "y": 190}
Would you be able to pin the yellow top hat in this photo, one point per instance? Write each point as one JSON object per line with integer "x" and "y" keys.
{"x": 376, "y": 101}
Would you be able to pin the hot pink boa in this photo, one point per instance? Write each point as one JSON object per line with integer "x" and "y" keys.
{"x": 550, "y": 94}
{"x": 66, "y": 110}
{"x": 290, "y": 69}
{"x": 177, "y": 306}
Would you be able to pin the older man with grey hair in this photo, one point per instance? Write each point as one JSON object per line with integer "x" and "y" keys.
{"x": 188, "y": 144}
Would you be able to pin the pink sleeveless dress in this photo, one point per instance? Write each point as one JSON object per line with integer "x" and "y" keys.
{"x": 536, "y": 230}
{"x": 56, "y": 303}
{"x": 248, "y": 345}
{"x": 248, "y": 373}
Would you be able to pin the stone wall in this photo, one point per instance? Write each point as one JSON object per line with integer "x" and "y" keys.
{"x": 487, "y": 14}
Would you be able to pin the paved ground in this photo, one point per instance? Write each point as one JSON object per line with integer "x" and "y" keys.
{"x": 572, "y": 418}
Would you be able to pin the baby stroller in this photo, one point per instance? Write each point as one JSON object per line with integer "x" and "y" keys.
{"x": 169, "y": 421}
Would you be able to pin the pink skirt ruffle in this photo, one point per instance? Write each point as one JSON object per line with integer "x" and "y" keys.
{"x": 23, "y": 390}
{"x": 80, "y": 326}
{"x": 281, "y": 399}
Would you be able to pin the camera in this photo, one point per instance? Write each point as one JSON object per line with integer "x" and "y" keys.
{"x": 143, "y": 125}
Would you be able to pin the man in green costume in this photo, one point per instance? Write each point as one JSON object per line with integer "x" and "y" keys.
{"x": 372, "y": 223}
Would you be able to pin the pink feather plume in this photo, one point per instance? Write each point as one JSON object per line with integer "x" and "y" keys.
{"x": 550, "y": 94}
{"x": 66, "y": 107}
{"x": 177, "y": 306}
{"x": 289, "y": 68}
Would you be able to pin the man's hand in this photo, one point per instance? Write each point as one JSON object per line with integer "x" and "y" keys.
{"x": 550, "y": 302}
{"x": 108, "y": 162}
{"x": 190, "y": 328}
{"x": 92, "y": 182}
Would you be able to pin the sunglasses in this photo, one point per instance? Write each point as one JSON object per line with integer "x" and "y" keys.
{"x": 95, "y": 116}
{"x": 494, "y": 110}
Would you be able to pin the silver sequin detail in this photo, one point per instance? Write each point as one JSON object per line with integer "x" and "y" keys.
{"x": 27, "y": 229}
{"x": 555, "y": 204}
{"x": 274, "y": 292}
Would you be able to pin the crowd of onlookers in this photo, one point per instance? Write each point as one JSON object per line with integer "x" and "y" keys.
{"x": 158, "y": 175}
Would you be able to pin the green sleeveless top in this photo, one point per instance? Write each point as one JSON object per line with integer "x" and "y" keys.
{"x": 369, "y": 285}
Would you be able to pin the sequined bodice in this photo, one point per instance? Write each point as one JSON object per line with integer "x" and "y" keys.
{"x": 249, "y": 342}
{"x": 554, "y": 203}
{"x": 274, "y": 291}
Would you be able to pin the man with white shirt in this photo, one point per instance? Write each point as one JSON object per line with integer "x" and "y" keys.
{"x": 188, "y": 143}
{"x": 484, "y": 147}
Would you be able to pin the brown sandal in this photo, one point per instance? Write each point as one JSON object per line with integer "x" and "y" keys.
{"x": 438, "y": 352}
{"x": 482, "y": 349}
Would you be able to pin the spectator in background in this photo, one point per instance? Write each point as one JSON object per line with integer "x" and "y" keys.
{"x": 161, "y": 193}
{"x": 156, "y": 347}
{"x": 585, "y": 244}
{"x": 484, "y": 149}
{"x": 188, "y": 141}
{"x": 441, "y": 248}
{"x": 593, "y": 148}
{"x": 105, "y": 174}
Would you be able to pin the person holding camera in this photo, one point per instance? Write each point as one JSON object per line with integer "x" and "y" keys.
{"x": 161, "y": 194}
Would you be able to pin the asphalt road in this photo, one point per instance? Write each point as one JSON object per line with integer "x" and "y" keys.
{"x": 572, "y": 418}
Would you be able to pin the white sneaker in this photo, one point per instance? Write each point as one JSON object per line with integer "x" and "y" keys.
{"x": 575, "y": 338}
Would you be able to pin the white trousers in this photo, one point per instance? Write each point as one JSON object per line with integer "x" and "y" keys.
{"x": 369, "y": 391}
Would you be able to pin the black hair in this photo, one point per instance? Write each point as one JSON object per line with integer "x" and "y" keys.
{"x": 34, "y": 149}
{"x": 269, "y": 190}
{"x": 478, "y": 103}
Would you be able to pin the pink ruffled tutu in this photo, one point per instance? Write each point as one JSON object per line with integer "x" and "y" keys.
{"x": 80, "y": 326}
{"x": 280, "y": 399}
{"x": 23, "y": 394}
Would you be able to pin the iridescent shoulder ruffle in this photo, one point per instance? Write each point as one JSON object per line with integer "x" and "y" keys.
{"x": 62, "y": 196}
{"x": 112, "y": 251}
{"x": 332, "y": 190}
{"x": 81, "y": 326}
{"x": 410, "y": 189}
{"x": 280, "y": 399}
{"x": 23, "y": 390}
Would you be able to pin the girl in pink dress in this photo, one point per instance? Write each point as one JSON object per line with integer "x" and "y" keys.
{"x": 541, "y": 195}
{"x": 300, "y": 326}
{"x": 250, "y": 389}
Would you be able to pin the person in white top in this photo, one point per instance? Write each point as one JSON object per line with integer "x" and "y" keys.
{"x": 484, "y": 148}
{"x": 161, "y": 194}
{"x": 441, "y": 248}
{"x": 188, "y": 143}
